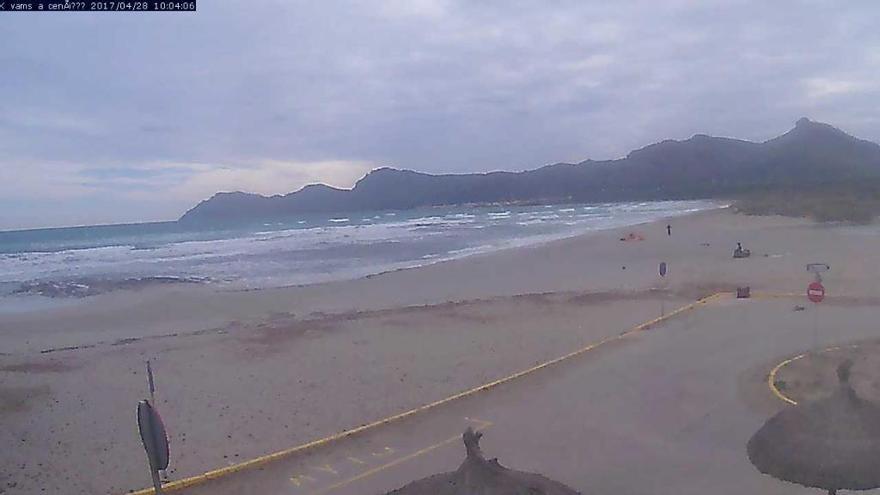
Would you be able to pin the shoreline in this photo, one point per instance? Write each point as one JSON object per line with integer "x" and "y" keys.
{"x": 202, "y": 307}
{"x": 94, "y": 285}
{"x": 536, "y": 244}
{"x": 240, "y": 374}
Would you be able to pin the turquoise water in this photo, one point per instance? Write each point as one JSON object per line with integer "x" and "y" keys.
{"x": 82, "y": 261}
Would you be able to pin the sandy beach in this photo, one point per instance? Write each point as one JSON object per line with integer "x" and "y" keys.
{"x": 244, "y": 373}
{"x": 814, "y": 375}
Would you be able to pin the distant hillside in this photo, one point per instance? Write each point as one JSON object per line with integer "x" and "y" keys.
{"x": 811, "y": 154}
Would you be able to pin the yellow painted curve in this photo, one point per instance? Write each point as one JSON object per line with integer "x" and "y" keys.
{"x": 771, "y": 380}
{"x": 771, "y": 377}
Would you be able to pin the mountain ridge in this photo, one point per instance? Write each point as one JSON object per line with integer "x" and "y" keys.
{"x": 702, "y": 166}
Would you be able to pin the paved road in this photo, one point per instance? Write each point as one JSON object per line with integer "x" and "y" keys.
{"x": 668, "y": 410}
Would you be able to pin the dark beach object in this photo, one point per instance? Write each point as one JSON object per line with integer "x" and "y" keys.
{"x": 743, "y": 292}
{"x": 155, "y": 441}
{"x": 741, "y": 252}
{"x": 633, "y": 236}
{"x": 478, "y": 476}
{"x": 745, "y": 253}
{"x": 832, "y": 443}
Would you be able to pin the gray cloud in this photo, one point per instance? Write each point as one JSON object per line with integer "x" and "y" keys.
{"x": 234, "y": 90}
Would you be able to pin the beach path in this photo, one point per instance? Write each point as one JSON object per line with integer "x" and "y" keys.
{"x": 667, "y": 410}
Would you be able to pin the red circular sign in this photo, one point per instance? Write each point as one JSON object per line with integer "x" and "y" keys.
{"x": 816, "y": 292}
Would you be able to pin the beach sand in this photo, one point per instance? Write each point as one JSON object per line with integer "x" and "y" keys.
{"x": 241, "y": 374}
{"x": 814, "y": 376}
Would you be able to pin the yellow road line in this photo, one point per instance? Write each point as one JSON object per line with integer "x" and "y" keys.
{"x": 386, "y": 466}
{"x": 771, "y": 378}
{"x": 378, "y": 469}
{"x": 265, "y": 459}
{"x": 799, "y": 295}
{"x": 777, "y": 295}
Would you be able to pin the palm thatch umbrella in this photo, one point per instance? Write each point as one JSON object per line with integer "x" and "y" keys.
{"x": 478, "y": 476}
{"x": 832, "y": 443}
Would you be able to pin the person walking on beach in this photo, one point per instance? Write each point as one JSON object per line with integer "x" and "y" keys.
{"x": 669, "y": 230}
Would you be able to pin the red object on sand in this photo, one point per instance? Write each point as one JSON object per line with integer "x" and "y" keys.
{"x": 633, "y": 236}
{"x": 815, "y": 292}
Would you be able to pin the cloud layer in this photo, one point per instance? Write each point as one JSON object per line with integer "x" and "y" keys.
{"x": 118, "y": 117}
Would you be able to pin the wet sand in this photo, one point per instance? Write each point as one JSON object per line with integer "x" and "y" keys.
{"x": 244, "y": 373}
{"x": 698, "y": 253}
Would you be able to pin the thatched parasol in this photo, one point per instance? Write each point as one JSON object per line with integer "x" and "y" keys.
{"x": 478, "y": 476}
{"x": 832, "y": 443}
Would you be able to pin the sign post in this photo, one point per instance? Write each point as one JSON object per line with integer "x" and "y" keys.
{"x": 154, "y": 439}
{"x": 816, "y": 294}
{"x": 817, "y": 268}
{"x": 150, "y": 381}
{"x": 663, "y": 296}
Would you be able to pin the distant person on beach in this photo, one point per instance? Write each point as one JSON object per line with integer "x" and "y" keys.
{"x": 669, "y": 230}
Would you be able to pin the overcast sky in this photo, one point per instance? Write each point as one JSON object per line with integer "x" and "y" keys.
{"x": 134, "y": 117}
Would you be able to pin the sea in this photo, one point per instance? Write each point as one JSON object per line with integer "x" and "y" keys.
{"x": 77, "y": 262}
